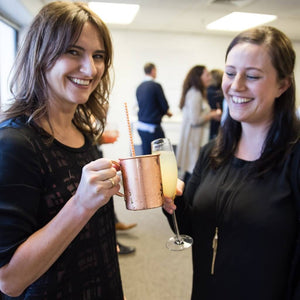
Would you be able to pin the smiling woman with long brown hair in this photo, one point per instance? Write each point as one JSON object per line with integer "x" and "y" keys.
{"x": 57, "y": 231}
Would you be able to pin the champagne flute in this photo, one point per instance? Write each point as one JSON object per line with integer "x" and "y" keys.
{"x": 169, "y": 174}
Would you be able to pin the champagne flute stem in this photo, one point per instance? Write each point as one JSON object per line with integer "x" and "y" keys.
{"x": 178, "y": 237}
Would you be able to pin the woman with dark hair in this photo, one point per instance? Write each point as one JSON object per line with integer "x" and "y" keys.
{"x": 196, "y": 115}
{"x": 57, "y": 229}
{"x": 215, "y": 99}
{"x": 241, "y": 204}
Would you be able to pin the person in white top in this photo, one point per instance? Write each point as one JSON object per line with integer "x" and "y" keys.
{"x": 196, "y": 119}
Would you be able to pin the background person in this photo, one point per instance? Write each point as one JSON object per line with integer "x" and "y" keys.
{"x": 215, "y": 99}
{"x": 153, "y": 105}
{"x": 57, "y": 226}
{"x": 241, "y": 205}
{"x": 196, "y": 115}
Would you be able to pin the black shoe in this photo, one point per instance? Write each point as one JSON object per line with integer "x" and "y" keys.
{"x": 125, "y": 249}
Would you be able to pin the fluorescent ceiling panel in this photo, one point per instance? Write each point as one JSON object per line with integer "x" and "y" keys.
{"x": 238, "y": 21}
{"x": 115, "y": 13}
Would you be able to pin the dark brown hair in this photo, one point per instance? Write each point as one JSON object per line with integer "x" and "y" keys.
{"x": 192, "y": 79}
{"x": 216, "y": 78}
{"x": 284, "y": 130}
{"x": 57, "y": 26}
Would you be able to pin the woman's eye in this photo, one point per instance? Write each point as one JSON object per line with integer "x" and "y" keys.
{"x": 252, "y": 77}
{"x": 99, "y": 56}
{"x": 73, "y": 52}
{"x": 230, "y": 74}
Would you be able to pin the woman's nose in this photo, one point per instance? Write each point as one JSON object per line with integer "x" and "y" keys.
{"x": 88, "y": 66}
{"x": 238, "y": 82}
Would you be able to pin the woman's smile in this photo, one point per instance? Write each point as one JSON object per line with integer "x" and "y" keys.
{"x": 80, "y": 82}
{"x": 240, "y": 100}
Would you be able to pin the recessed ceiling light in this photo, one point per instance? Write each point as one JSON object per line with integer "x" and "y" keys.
{"x": 115, "y": 13}
{"x": 238, "y": 21}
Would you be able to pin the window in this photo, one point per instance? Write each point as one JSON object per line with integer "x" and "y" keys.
{"x": 8, "y": 42}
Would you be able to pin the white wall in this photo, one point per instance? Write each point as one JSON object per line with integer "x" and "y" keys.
{"x": 174, "y": 55}
{"x": 7, "y": 56}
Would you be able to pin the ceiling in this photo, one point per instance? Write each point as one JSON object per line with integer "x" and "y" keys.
{"x": 180, "y": 16}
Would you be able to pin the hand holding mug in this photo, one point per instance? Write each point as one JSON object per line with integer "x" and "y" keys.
{"x": 99, "y": 182}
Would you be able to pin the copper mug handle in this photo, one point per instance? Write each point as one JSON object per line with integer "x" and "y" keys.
{"x": 118, "y": 193}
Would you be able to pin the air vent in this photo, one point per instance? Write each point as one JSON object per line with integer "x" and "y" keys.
{"x": 221, "y": 1}
{"x": 233, "y": 2}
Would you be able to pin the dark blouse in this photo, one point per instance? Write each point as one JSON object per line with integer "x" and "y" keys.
{"x": 36, "y": 180}
{"x": 215, "y": 99}
{"x": 257, "y": 229}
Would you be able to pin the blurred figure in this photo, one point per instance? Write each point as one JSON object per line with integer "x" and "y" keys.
{"x": 196, "y": 115}
{"x": 215, "y": 99}
{"x": 153, "y": 105}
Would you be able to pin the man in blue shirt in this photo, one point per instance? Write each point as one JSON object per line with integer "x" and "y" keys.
{"x": 153, "y": 106}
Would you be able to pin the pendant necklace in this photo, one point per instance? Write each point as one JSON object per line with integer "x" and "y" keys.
{"x": 225, "y": 195}
{"x": 214, "y": 247}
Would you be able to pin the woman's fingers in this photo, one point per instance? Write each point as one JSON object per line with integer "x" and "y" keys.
{"x": 99, "y": 182}
{"x": 179, "y": 187}
{"x": 169, "y": 205}
{"x": 101, "y": 170}
{"x": 112, "y": 181}
{"x": 99, "y": 164}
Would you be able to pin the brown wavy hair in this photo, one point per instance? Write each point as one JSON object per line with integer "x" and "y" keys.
{"x": 192, "y": 79}
{"x": 57, "y": 26}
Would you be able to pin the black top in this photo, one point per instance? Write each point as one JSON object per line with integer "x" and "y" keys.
{"x": 36, "y": 180}
{"x": 152, "y": 102}
{"x": 215, "y": 99}
{"x": 257, "y": 229}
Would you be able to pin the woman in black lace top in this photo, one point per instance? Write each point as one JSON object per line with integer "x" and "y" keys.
{"x": 57, "y": 231}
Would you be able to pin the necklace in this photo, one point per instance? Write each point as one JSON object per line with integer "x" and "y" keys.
{"x": 215, "y": 248}
{"x": 230, "y": 185}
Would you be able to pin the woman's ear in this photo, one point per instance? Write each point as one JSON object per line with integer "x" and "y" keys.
{"x": 284, "y": 84}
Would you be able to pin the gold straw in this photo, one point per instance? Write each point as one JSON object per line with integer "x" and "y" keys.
{"x": 129, "y": 130}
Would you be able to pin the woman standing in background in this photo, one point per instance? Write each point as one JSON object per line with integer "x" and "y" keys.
{"x": 195, "y": 121}
{"x": 215, "y": 99}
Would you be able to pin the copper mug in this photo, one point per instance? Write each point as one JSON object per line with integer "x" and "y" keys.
{"x": 142, "y": 183}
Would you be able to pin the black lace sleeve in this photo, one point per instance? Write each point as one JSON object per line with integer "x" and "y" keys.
{"x": 20, "y": 188}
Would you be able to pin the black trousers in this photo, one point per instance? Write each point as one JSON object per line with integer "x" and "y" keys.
{"x": 148, "y": 137}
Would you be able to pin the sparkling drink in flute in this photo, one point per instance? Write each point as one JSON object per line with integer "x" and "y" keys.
{"x": 169, "y": 175}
